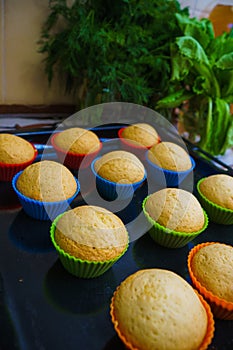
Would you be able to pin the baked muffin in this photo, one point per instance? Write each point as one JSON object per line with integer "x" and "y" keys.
{"x": 89, "y": 239}
{"x": 45, "y": 189}
{"x": 16, "y": 154}
{"x": 169, "y": 160}
{"x": 175, "y": 215}
{"x": 158, "y": 309}
{"x": 118, "y": 174}
{"x": 216, "y": 196}
{"x": 76, "y": 147}
{"x": 137, "y": 138}
{"x": 210, "y": 266}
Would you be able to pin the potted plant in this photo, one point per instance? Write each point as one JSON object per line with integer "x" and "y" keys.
{"x": 111, "y": 50}
{"x": 202, "y": 73}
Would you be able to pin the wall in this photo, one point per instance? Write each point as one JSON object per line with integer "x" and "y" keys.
{"x": 23, "y": 80}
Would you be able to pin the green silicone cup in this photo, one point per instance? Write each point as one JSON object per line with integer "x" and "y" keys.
{"x": 217, "y": 214}
{"x": 170, "y": 238}
{"x": 78, "y": 267}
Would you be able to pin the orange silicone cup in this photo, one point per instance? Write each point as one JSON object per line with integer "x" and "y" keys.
{"x": 205, "y": 343}
{"x": 221, "y": 308}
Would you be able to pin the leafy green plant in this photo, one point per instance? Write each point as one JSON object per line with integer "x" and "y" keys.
{"x": 111, "y": 50}
{"x": 202, "y": 69}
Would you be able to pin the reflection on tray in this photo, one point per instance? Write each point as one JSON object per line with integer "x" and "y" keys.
{"x": 77, "y": 295}
{"x": 160, "y": 257}
{"x": 30, "y": 234}
{"x": 8, "y": 197}
{"x": 114, "y": 344}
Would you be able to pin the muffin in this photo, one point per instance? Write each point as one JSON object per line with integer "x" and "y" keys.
{"x": 137, "y": 138}
{"x": 118, "y": 174}
{"x": 89, "y": 240}
{"x": 76, "y": 147}
{"x": 45, "y": 189}
{"x": 210, "y": 267}
{"x": 170, "y": 161}
{"x": 158, "y": 309}
{"x": 216, "y": 195}
{"x": 175, "y": 215}
{"x": 16, "y": 154}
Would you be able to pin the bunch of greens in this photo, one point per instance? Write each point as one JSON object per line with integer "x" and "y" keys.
{"x": 111, "y": 50}
{"x": 203, "y": 66}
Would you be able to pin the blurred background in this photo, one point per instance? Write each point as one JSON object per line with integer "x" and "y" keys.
{"x": 23, "y": 81}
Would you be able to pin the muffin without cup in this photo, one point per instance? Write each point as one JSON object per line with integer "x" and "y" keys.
{"x": 16, "y": 154}
{"x": 45, "y": 189}
{"x": 89, "y": 240}
{"x": 157, "y": 309}
{"x": 175, "y": 215}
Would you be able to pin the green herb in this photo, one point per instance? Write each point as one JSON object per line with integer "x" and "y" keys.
{"x": 111, "y": 50}
{"x": 203, "y": 66}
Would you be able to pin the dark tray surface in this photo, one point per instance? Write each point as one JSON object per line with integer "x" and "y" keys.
{"x": 43, "y": 307}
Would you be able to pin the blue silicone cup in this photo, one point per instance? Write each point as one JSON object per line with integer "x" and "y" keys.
{"x": 42, "y": 210}
{"x": 111, "y": 190}
{"x": 160, "y": 175}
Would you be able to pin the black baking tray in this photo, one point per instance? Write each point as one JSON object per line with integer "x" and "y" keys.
{"x": 43, "y": 307}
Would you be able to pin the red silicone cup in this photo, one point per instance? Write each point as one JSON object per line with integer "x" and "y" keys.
{"x": 8, "y": 171}
{"x": 74, "y": 161}
{"x": 137, "y": 149}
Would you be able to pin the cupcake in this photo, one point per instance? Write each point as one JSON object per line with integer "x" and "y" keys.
{"x": 76, "y": 147}
{"x": 89, "y": 240}
{"x": 158, "y": 309}
{"x": 216, "y": 196}
{"x": 137, "y": 138}
{"x": 210, "y": 267}
{"x": 16, "y": 154}
{"x": 45, "y": 189}
{"x": 175, "y": 215}
{"x": 169, "y": 161}
{"x": 118, "y": 174}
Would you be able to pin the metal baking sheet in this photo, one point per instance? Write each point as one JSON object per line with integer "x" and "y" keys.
{"x": 43, "y": 307}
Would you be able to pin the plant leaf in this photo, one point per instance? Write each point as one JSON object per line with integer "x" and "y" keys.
{"x": 225, "y": 62}
{"x": 201, "y": 30}
{"x": 175, "y": 99}
{"x": 190, "y": 48}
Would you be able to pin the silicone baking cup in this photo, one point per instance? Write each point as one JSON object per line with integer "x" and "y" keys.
{"x": 78, "y": 267}
{"x": 8, "y": 171}
{"x": 71, "y": 160}
{"x": 160, "y": 175}
{"x": 111, "y": 190}
{"x": 133, "y": 147}
{"x": 170, "y": 238}
{"x": 43, "y": 210}
{"x": 216, "y": 213}
{"x": 205, "y": 343}
{"x": 221, "y": 308}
